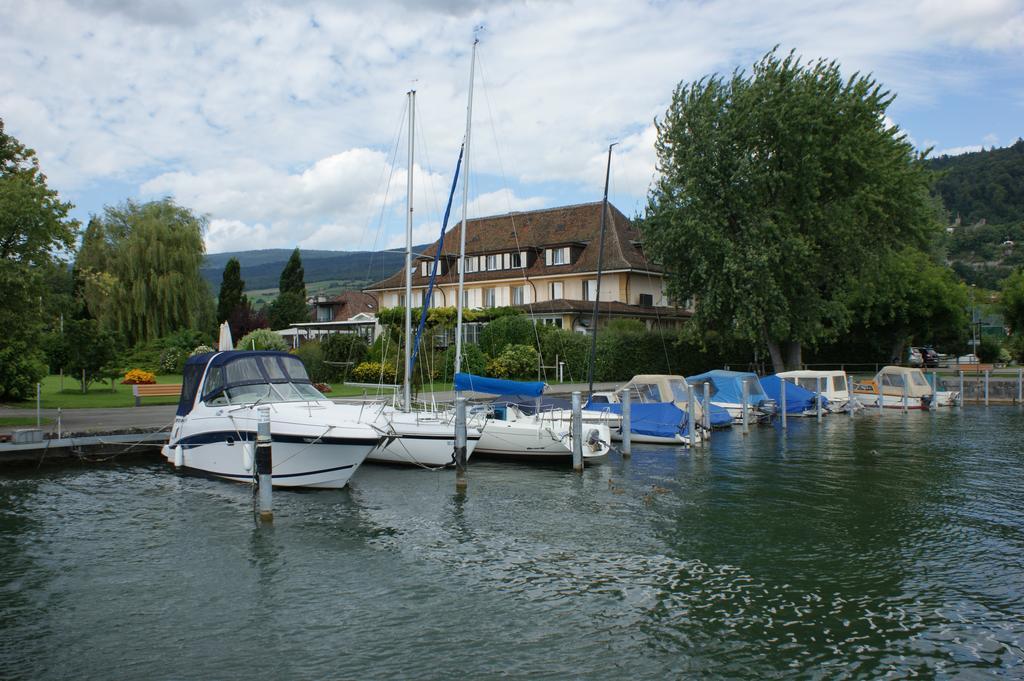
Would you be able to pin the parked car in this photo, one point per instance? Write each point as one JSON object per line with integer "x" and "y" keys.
{"x": 930, "y": 356}
{"x": 915, "y": 358}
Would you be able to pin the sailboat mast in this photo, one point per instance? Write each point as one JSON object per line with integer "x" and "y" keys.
{"x": 597, "y": 292}
{"x": 462, "y": 230}
{"x": 407, "y": 380}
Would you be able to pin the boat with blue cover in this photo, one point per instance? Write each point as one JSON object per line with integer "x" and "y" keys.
{"x": 726, "y": 391}
{"x": 799, "y": 402}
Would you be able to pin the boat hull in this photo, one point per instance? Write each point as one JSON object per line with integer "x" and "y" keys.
{"x": 943, "y": 398}
{"x": 527, "y": 439}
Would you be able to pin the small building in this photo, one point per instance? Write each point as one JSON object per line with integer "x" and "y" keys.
{"x": 348, "y": 312}
{"x": 545, "y": 262}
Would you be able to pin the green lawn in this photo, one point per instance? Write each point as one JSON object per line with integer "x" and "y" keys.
{"x": 8, "y": 421}
{"x": 99, "y": 395}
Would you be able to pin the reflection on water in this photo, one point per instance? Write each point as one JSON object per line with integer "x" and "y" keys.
{"x": 854, "y": 548}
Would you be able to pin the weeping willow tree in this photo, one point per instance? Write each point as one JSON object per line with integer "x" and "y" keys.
{"x": 150, "y": 254}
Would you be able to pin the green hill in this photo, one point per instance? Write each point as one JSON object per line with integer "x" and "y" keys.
{"x": 984, "y": 194}
{"x": 327, "y": 272}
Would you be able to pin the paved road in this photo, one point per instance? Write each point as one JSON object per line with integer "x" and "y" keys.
{"x": 137, "y": 419}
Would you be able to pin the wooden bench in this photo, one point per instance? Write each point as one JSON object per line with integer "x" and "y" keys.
{"x": 155, "y": 390}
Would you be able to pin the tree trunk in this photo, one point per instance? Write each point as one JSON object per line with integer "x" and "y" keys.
{"x": 777, "y": 363}
{"x": 794, "y": 355}
{"x": 897, "y": 351}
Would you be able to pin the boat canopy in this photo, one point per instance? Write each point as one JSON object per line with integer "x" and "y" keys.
{"x": 527, "y": 404}
{"x": 497, "y": 386}
{"x": 242, "y": 376}
{"x": 893, "y": 378}
{"x": 659, "y": 388}
{"x": 798, "y": 400}
{"x": 727, "y": 386}
{"x": 660, "y": 419}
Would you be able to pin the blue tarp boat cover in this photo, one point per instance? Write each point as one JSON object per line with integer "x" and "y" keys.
{"x": 719, "y": 416}
{"x": 798, "y": 400}
{"x": 497, "y": 386}
{"x": 727, "y": 386}
{"x": 660, "y": 419}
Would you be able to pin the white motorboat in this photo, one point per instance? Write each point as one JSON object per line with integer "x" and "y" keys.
{"x": 314, "y": 442}
{"x": 834, "y": 385}
{"x": 898, "y": 383}
{"x": 726, "y": 391}
{"x": 656, "y": 402}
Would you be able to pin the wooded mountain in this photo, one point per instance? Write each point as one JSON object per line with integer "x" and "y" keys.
{"x": 984, "y": 194}
{"x": 345, "y": 269}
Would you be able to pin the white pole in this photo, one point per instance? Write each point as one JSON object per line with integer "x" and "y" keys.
{"x": 743, "y": 406}
{"x": 691, "y": 420}
{"x": 627, "y": 423}
{"x": 986, "y": 387}
{"x": 407, "y": 379}
{"x": 39, "y": 405}
{"x": 817, "y": 397}
{"x": 577, "y": 431}
{"x": 784, "y": 417}
{"x": 264, "y": 465}
{"x": 462, "y": 230}
{"x": 934, "y": 404}
{"x": 960, "y": 399}
{"x": 1020, "y": 386}
{"x": 906, "y": 397}
{"x": 881, "y": 398}
{"x": 460, "y": 443}
{"x": 59, "y": 415}
{"x": 707, "y": 406}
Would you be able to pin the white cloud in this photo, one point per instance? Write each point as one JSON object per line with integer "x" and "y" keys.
{"x": 278, "y": 118}
{"x": 957, "y": 151}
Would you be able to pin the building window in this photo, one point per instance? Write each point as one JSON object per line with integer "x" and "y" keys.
{"x": 518, "y": 295}
{"x": 552, "y": 321}
{"x": 646, "y": 300}
{"x": 465, "y": 298}
{"x": 557, "y": 256}
{"x": 471, "y": 333}
{"x": 590, "y": 289}
{"x": 516, "y": 260}
{"x": 493, "y": 263}
{"x": 490, "y": 297}
{"x": 401, "y": 300}
{"x": 324, "y": 314}
{"x": 425, "y": 268}
{"x": 557, "y": 290}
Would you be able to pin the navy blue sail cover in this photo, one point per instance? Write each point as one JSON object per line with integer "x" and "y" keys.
{"x": 798, "y": 400}
{"x": 236, "y": 368}
{"x": 497, "y": 386}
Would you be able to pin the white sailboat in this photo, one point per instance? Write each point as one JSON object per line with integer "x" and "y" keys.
{"x": 420, "y": 437}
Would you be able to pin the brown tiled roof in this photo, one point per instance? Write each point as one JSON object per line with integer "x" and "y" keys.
{"x": 563, "y": 306}
{"x": 551, "y": 227}
{"x": 348, "y": 304}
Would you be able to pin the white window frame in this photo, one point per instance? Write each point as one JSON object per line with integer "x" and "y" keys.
{"x": 493, "y": 263}
{"x": 490, "y": 297}
{"x": 590, "y": 289}
{"x": 556, "y": 290}
{"x": 520, "y": 293}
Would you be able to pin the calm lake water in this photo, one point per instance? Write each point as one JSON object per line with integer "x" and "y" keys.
{"x": 858, "y": 549}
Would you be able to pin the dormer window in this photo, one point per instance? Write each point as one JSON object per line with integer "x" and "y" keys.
{"x": 516, "y": 260}
{"x": 493, "y": 263}
{"x": 556, "y": 256}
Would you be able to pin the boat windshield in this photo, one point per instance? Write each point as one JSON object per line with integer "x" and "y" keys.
{"x": 808, "y": 383}
{"x": 250, "y": 378}
{"x": 919, "y": 379}
{"x": 755, "y": 388}
{"x": 839, "y": 383}
{"x": 645, "y": 392}
{"x": 680, "y": 391}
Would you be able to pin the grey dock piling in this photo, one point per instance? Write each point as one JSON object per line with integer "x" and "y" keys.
{"x": 783, "y": 395}
{"x": 691, "y": 420}
{"x": 577, "y": 432}
{"x": 461, "y": 481}
{"x": 60, "y": 414}
{"x": 960, "y": 396}
{"x": 627, "y": 424}
{"x": 934, "y": 404}
{"x": 1020, "y": 386}
{"x": 986, "y": 387}
{"x": 743, "y": 407}
{"x": 817, "y": 397}
{"x": 707, "y": 407}
{"x": 881, "y": 397}
{"x": 39, "y": 405}
{"x": 906, "y": 397}
{"x": 264, "y": 465}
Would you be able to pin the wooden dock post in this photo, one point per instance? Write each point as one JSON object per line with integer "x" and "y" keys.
{"x": 264, "y": 465}
{"x": 627, "y": 424}
{"x": 461, "y": 481}
{"x": 577, "y": 431}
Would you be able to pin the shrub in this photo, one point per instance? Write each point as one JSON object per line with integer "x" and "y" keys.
{"x": 515, "y": 361}
{"x": 312, "y": 356}
{"x": 139, "y": 377}
{"x": 21, "y": 367}
{"x": 200, "y": 350}
{"x": 172, "y": 361}
{"x": 988, "y": 350}
{"x": 565, "y": 346}
{"x": 374, "y": 372}
{"x": 514, "y": 329}
{"x": 262, "y": 339}
{"x": 344, "y": 350}
{"x": 474, "y": 361}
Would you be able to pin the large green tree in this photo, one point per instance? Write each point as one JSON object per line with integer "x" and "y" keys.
{"x": 293, "y": 276}
{"x": 1012, "y": 302}
{"x": 35, "y": 232}
{"x": 290, "y": 304}
{"x": 147, "y": 258}
{"x": 232, "y": 289}
{"x": 777, "y": 190}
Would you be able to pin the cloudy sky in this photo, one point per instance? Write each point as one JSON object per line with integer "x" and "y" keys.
{"x": 281, "y": 120}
